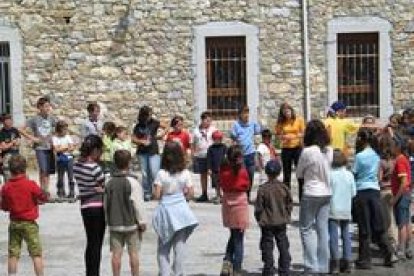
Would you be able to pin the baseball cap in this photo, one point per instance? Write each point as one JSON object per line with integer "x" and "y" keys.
{"x": 336, "y": 106}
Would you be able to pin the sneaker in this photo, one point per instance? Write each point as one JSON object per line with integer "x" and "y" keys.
{"x": 147, "y": 197}
{"x": 216, "y": 200}
{"x": 388, "y": 260}
{"x": 202, "y": 198}
{"x": 61, "y": 193}
{"x": 408, "y": 254}
{"x": 334, "y": 267}
{"x": 400, "y": 255}
{"x": 226, "y": 269}
{"x": 345, "y": 266}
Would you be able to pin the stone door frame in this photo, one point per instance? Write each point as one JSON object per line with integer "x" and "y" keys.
{"x": 12, "y": 36}
{"x": 358, "y": 25}
{"x": 218, "y": 29}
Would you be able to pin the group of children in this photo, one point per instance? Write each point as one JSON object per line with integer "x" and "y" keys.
{"x": 382, "y": 163}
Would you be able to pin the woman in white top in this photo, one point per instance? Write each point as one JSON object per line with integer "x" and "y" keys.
{"x": 63, "y": 146}
{"x": 313, "y": 167}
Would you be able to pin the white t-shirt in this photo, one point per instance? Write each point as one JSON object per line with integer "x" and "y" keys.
{"x": 173, "y": 183}
{"x": 314, "y": 167}
{"x": 264, "y": 152}
{"x": 63, "y": 141}
{"x": 202, "y": 140}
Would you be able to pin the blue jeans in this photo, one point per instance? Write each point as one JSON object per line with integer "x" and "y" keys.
{"x": 249, "y": 163}
{"x": 313, "y": 225}
{"x": 234, "y": 249}
{"x": 346, "y": 239}
{"x": 150, "y": 165}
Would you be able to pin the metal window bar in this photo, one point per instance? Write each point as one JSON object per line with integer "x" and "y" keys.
{"x": 5, "y": 97}
{"x": 357, "y": 58}
{"x": 226, "y": 81}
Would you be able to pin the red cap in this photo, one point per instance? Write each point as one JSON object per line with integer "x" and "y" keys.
{"x": 217, "y": 135}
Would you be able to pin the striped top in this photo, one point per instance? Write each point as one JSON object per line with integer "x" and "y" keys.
{"x": 89, "y": 176}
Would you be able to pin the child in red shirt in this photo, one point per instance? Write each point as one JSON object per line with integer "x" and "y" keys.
{"x": 234, "y": 182}
{"x": 21, "y": 197}
{"x": 179, "y": 134}
{"x": 401, "y": 190}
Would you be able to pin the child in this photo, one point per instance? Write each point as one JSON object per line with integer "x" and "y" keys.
{"x": 272, "y": 212}
{"x": 202, "y": 140}
{"x": 215, "y": 155}
{"x": 124, "y": 212}
{"x": 386, "y": 169}
{"x": 93, "y": 124}
{"x": 64, "y": 146}
{"x": 343, "y": 190}
{"x": 265, "y": 152}
{"x": 173, "y": 220}
{"x": 21, "y": 197}
{"x": 121, "y": 141}
{"x": 107, "y": 139}
{"x": 401, "y": 190}
{"x": 90, "y": 180}
{"x": 42, "y": 126}
{"x": 234, "y": 182}
{"x": 179, "y": 134}
{"x": 367, "y": 203}
{"x": 242, "y": 133}
{"x": 9, "y": 143}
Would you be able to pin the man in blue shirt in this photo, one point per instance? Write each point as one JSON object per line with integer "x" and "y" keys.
{"x": 243, "y": 133}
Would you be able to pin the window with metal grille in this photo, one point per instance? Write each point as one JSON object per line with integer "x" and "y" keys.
{"x": 357, "y": 57}
{"x": 5, "y": 103}
{"x": 226, "y": 76}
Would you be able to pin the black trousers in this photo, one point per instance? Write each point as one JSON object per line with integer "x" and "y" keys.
{"x": 290, "y": 157}
{"x": 371, "y": 224}
{"x": 269, "y": 234}
{"x": 94, "y": 223}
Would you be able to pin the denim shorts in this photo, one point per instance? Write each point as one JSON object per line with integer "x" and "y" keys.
{"x": 402, "y": 210}
{"x": 45, "y": 161}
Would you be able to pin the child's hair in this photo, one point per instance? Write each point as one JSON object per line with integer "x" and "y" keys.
{"x": 122, "y": 159}
{"x": 17, "y": 164}
{"x": 339, "y": 159}
{"x": 281, "y": 119}
{"x": 42, "y": 101}
{"x": 266, "y": 133}
{"x": 234, "y": 158}
{"x": 120, "y": 129}
{"x": 205, "y": 115}
{"x": 385, "y": 146}
{"x": 61, "y": 126}
{"x": 109, "y": 128}
{"x": 273, "y": 168}
{"x": 366, "y": 137}
{"x": 396, "y": 117}
{"x": 92, "y": 107}
{"x": 369, "y": 119}
{"x": 5, "y": 117}
{"x": 316, "y": 134}
{"x": 144, "y": 114}
{"x": 176, "y": 119}
{"x": 173, "y": 159}
{"x": 243, "y": 109}
{"x": 91, "y": 143}
{"x": 401, "y": 142}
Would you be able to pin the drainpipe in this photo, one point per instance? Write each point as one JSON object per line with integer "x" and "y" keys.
{"x": 306, "y": 59}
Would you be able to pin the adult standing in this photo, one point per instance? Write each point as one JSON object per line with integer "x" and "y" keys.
{"x": 242, "y": 133}
{"x": 90, "y": 180}
{"x": 202, "y": 140}
{"x": 290, "y": 129}
{"x": 145, "y": 136}
{"x": 313, "y": 167}
{"x": 93, "y": 124}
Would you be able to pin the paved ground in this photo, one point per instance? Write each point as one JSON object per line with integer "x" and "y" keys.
{"x": 64, "y": 241}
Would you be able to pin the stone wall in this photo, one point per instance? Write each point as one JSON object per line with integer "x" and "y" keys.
{"x": 126, "y": 53}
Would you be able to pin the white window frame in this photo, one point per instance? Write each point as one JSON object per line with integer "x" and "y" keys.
{"x": 360, "y": 25}
{"x": 226, "y": 29}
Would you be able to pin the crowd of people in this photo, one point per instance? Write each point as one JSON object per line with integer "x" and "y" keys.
{"x": 369, "y": 184}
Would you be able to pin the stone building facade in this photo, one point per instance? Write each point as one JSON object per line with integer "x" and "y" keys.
{"x": 127, "y": 53}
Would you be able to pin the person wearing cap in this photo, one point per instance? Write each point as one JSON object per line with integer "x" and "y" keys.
{"x": 272, "y": 211}
{"x": 215, "y": 155}
{"x": 202, "y": 140}
{"x": 339, "y": 127}
{"x": 242, "y": 133}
